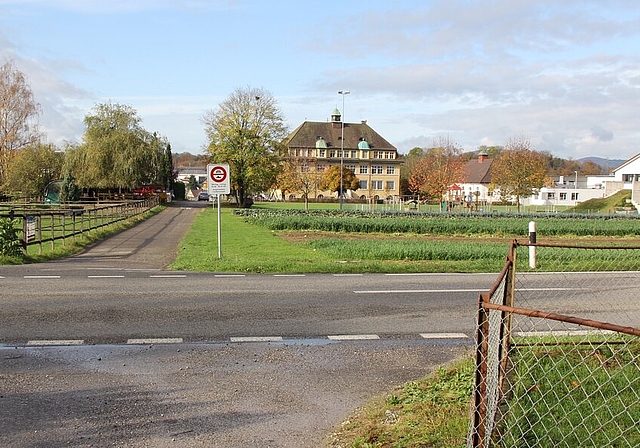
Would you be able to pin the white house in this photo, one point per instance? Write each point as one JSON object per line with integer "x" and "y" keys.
{"x": 627, "y": 176}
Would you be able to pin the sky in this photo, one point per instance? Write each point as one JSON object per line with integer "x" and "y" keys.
{"x": 563, "y": 74}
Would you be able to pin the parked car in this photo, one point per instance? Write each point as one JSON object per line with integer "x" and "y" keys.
{"x": 203, "y": 196}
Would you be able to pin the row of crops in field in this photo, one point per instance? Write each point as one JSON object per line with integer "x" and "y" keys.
{"x": 499, "y": 225}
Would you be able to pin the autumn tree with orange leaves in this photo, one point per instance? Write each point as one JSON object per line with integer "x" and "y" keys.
{"x": 518, "y": 171}
{"x": 437, "y": 170}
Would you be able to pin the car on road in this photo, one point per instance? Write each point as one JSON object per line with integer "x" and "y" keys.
{"x": 203, "y": 196}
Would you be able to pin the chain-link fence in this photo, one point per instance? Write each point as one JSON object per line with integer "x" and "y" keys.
{"x": 558, "y": 350}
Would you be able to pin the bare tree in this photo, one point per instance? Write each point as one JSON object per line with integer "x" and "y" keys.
{"x": 18, "y": 114}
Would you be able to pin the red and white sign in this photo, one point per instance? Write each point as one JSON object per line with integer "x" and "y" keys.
{"x": 218, "y": 182}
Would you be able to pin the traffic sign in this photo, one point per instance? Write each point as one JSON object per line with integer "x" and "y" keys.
{"x": 218, "y": 182}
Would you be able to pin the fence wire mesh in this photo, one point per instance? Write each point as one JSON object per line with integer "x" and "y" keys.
{"x": 558, "y": 350}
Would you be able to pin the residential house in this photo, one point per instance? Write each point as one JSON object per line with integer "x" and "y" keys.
{"x": 477, "y": 179}
{"x": 373, "y": 159}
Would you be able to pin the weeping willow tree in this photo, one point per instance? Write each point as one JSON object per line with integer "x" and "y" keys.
{"x": 116, "y": 151}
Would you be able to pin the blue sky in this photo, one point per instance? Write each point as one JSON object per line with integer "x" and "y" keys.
{"x": 564, "y": 74}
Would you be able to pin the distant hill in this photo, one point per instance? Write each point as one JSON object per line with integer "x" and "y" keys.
{"x": 607, "y": 164}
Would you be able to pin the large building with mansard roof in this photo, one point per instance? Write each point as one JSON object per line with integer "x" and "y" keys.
{"x": 373, "y": 159}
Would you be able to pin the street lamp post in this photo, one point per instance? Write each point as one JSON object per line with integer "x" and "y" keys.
{"x": 343, "y": 93}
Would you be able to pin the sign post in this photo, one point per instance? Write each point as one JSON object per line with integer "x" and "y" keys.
{"x": 218, "y": 183}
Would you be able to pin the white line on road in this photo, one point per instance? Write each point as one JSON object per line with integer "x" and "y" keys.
{"x": 154, "y": 341}
{"x": 168, "y": 276}
{"x": 47, "y": 342}
{"x": 353, "y": 337}
{"x": 289, "y": 275}
{"x": 105, "y": 276}
{"x": 443, "y": 335}
{"x": 257, "y": 339}
{"x": 551, "y": 289}
{"x": 417, "y": 291}
{"x": 41, "y": 276}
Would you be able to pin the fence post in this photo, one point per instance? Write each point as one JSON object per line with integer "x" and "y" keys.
{"x": 532, "y": 240}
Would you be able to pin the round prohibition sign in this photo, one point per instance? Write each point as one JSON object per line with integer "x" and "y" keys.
{"x": 218, "y": 174}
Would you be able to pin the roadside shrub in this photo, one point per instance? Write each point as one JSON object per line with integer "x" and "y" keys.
{"x": 9, "y": 242}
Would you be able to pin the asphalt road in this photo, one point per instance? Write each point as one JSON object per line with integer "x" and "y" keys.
{"x": 108, "y": 348}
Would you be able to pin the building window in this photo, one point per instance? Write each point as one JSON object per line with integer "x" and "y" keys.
{"x": 364, "y": 169}
{"x": 574, "y": 196}
{"x": 376, "y": 184}
{"x": 563, "y": 196}
{"x": 350, "y": 167}
{"x": 320, "y": 167}
{"x": 376, "y": 169}
{"x": 391, "y": 169}
{"x": 332, "y": 153}
{"x": 363, "y": 185}
{"x": 551, "y": 195}
{"x": 354, "y": 154}
{"x": 388, "y": 155}
{"x": 378, "y": 154}
{"x": 391, "y": 185}
{"x": 323, "y": 153}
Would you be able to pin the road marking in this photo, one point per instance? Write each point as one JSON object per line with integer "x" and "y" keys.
{"x": 417, "y": 291}
{"x": 105, "y": 276}
{"x": 154, "y": 341}
{"x": 353, "y": 337}
{"x": 289, "y": 275}
{"x": 47, "y": 342}
{"x": 167, "y": 276}
{"x": 443, "y": 335}
{"x": 41, "y": 276}
{"x": 256, "y": 339}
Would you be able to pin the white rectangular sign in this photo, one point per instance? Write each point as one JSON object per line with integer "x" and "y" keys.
{"x": 218, "y": 181}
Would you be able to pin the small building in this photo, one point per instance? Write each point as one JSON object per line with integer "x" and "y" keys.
{"x": 475, "y": 187}
{"x": 370, "y": 156}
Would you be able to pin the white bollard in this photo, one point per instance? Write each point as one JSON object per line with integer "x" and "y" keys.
{"x": 532, "y": 240}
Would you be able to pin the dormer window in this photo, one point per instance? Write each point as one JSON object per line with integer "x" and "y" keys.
{"x": 320, "y": 143}
{"x": 362, "y": 144}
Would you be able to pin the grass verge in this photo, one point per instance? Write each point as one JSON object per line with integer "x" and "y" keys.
{"x": 430, "y": 412}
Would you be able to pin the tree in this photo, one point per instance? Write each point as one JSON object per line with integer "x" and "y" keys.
{"x": 299, "y": 175}
{"x": 69, "y": 192}
{"x": 167, "y": 174}
{"x": 408, "y": 165}
{"x": 18, "y": 110}
{"x": 590, "y": 168}
{"x": 518, "y": 171}
{"x": 246, "y": 131}
{"x": 437, "y": 170}
{"x": 193, "y": 183}
{"x": 331, "y": 180}
{"x": 31, "y": 169}
{"x": 117, "y": 152}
